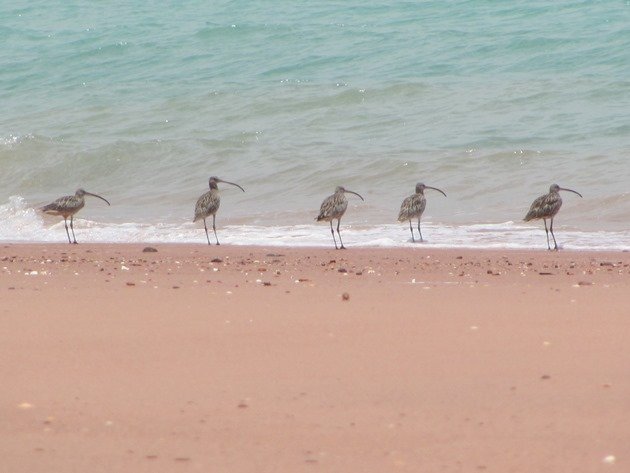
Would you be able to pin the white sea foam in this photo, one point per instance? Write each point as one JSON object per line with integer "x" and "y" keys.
{"x": 20, "y": 223}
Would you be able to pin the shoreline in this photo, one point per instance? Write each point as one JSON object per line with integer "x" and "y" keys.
{"x": 25, "y": 226}
{"x": 249, "y": 359}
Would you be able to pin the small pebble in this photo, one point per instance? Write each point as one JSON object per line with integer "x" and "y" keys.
{"x": 345, "y": 296}
{"x": 609, "y": 459}
{"x": 149, "y": 249}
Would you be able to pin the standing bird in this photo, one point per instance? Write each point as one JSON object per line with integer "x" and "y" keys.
{"x": 334, "y": 206}
{"x": 546, "y": 207}
{"x": 67, "y": 206}
{"x": 208, "y": 204}
{"x": 413, "y": 207}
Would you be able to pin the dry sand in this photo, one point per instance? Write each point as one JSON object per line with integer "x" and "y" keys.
{"x": 117, "y": 360}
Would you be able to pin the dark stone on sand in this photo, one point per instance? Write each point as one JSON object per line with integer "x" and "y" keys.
{"x": 149, "y": 249}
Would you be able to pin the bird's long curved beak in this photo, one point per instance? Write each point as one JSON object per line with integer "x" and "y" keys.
{"x": 96, "y": 195}
{"x": 570, "y": 190}
{"x": 231, "y": 183}
{"x": 352, "y": 192}
{"x": 436, "y": 189}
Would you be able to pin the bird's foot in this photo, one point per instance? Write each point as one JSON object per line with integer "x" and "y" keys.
{"x": 74, "y": 242}
{"x": 342, "y": 247}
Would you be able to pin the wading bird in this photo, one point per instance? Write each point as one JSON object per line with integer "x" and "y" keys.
{"x": 67, "y": 206}
{"x": 413, "y": 207}
{"x": 208, "y": 204}
{"x": 546, "y": 207}
{"x": 333, "y": 207}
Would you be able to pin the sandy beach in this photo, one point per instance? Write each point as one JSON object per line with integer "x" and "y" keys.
{"x": 253, "y": 359}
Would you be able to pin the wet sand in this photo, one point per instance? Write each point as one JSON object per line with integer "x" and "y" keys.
{"x": 253, "y": 359}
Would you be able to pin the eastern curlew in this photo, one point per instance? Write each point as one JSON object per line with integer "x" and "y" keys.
{"x": 413, "y": 207}
{"x": 208, "y": 204}
{"x": 546, "y": 207}
{"x": 333, "y": 207}
{"x": 67, "y": 206}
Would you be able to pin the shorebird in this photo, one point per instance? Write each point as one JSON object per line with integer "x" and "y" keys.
{"x": 333, "y": 207}
{"x": 546, "y": 207}
{"x": 67, "y": 206}
{"x": 413, "y": 207}
{"x": 208, "y": 204}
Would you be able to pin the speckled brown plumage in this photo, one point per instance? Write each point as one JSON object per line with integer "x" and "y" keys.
{"x": 413, "y": 207}
{"x": 546, "y": 207}
{"x": 209, "y": 203}
{"x": 333, "y": 207}
{"x": 67, "y": 206}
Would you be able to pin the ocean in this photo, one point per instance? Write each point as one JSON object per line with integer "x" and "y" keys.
{"x": 142, "y": 102}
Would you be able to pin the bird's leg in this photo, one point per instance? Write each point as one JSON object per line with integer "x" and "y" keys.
{"x": 413, "y": 240}
{"x": 333, "y": 234}
{"x": 206, "y": 227}
{"x": 65, "y": 221}
{"x": 547, "y": 232}
{"x": 419, "y": 231}
{"x": 554, "y": 237}
{"x": 72, "y": 228}
{"x": 340, "y": 241}
{"x": 214, "y": 228}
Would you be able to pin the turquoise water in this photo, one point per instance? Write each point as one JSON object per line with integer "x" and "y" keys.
{"x": 143, "y": 101}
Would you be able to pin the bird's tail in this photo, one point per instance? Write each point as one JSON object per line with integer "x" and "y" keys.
{"x": 530, "y": 216}
{"x": 47, "y": 208}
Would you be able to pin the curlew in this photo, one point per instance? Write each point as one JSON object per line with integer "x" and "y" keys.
{"x": 208, "y": 204}
{"x": 546, "y": 207}
{"x": 413, "y": 207}
{"x": 333, "y": 207}
{"x": 67, "y": 206}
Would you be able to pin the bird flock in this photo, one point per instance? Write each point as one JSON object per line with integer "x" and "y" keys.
{"x": 333, "y": 207}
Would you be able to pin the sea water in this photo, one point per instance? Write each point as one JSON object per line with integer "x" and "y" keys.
{"x": 142, "y": 102}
